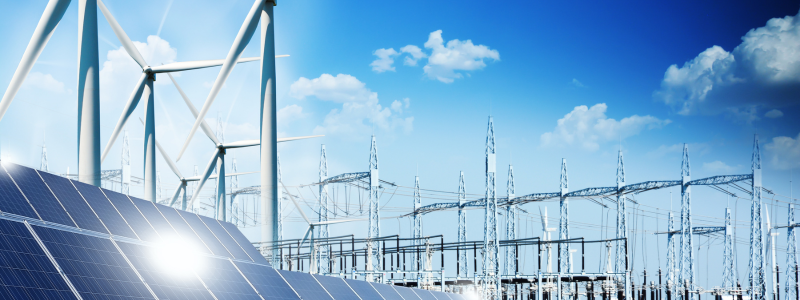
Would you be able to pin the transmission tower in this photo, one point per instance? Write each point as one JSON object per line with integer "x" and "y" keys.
{"x": 280, "y": 206}
{"x": 728, "y": 261}
{"x": 791, "y": 257}
{"x": 322, "y": 230}
{"x": 687, "y": 251}
{"x": 125, "y": 180}
{"x": 622, "y": 225}
{"x": 491, "y": 244}
{"x": 565, "y": 263}
{"x": 43, "y": 166}
{"x": 511, "y": 225}
{"x": 462, "y": 226}
{"x": 239, "y": 209}
{"x": 374, "y": 213}
{"x": 672, "y": 281}
{"x": 158, "y": 186}
{"x": 417, "y": 235}
{"x": 756, "y": 275}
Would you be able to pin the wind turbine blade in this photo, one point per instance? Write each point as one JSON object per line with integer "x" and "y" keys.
{"x": 197, "y": 64}
{"x": 305, "y": 236}
{"x": 282, "y": 55}
{"x": 339, "y": 221}
{"x": 126, "y": 113}
{"x": 177, "y": 193}
{"x": 240, "y": 173}
{"x": 295, "y": 203}
{"x": 281, "y": 140}
{"x": 544, "y": 219}
{"x": 209, "y": 170}
{"x": 123, "y": 38}
{"x": 213, "y": 176}
{"x": 241, "y": 144}
{"x": 245, "y": 33}
{"x": 44, "y": 30}
{"x": 166, "y": 157}
{"x": 188, "y": 102}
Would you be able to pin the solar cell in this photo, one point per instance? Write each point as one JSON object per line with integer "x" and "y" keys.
{"x": 305, "y": 285}
{"x": 153, "y": 216}
{"x": 138, "y": 223}
{"x": 25, "y": 270}
{"x": 164, "y": 283}
{"x": 267, "y": 282}
{"x": 386, "y": 291}
{"x": 105, "y": 211}
{"x": 187, "y": 232}
{"x": 38, "y": 195}
{"x": 225, "y": 238}
{"x": 246, "y": 245}
{"x": 364, "y": 289}
{"x": 441, "y": 295}
{"x": 222, "y": 278}
{"x": 407, "y": 293}
{"x": 73, "y": 202}
{"x": 93, "y": 265}
{"x": 12, "y": 200}
{"x": 337, "y": 287}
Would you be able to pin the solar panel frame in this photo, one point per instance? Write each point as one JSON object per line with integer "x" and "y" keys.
{"x": 25, "y": 270}
{"x": 93, "y": 265}
{"x": 305, "y": 285}
{"x": 106, "y": 211}
{"x": 406, "y": 293}
{"x": 220, "y": 277}
{"x": 80, "y": 211}
{"x": 12, "y": 199}
{"x": 387, "y": 291}
{"x": 244, "y": 243}
{"x": 336, "y": 286}
{"x": 38, "y": 194}
{"x": 186, "y": 231}
{"x": 364, "y": 289}
{"x": 143, "y": 229}
{"x": 267, "y": 281}
{"x": 230, "y": 244}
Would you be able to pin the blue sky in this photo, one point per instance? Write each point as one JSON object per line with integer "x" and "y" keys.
{"x": 576, "y": 80}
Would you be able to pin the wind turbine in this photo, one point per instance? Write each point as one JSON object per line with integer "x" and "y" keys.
{"x": 546, "y": 237}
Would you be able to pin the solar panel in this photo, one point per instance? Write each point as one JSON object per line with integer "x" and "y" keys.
{"x": 204, "y": 233}
{"x": 225, "y": 238}
{"x": 456, "y": 296}
{"x": 364, "y": 289}
{"x": 164, "y": 284}
{"x": 93, "y": 265}
{"x": 425, "y": 294}
{"x": 138, "y": 223}
{"x": 407, "y": 293}
{"x": 305, "y": 285}
{"x": 386, "y": 291}
{"x": 441, "y": 295}
{"x": 107, "y": 212}
{"x": 246, "y": 245}
{"x": 73, "y": 202}
{"x": 13, "y": 201}
{"x": 39, "y": 196}
{"x": 25, "y": 270}
{"x": 267, "y": 281}
{"x": 222, "y": 278}
{"x": 153, "y": 216}
{"x": 337, "y": 287}
{"x": 185, "y": 231}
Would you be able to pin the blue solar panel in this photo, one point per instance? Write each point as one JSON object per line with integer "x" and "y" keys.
{"x": 407, "y": 293}
{"x": 138, "y": 223}
{"x": 305, "y": 285}
{"x": 93, "y": 265}
{"x": 424, "y": 294}
{"x": 363, "y": 289}
{"x": 387, "y": 292}
{"x": 456, "y": 296}
{"x": 222, "y": 278}
{"x": 337, "y": 287}
{"x": 73, "y": 202}
{"x": 165, "y": 285}
{"x": 441, "y": 295}
{"x": 243, "y": 242}
{"x": 153, "y": 216}
{"x": 38, "y": 194}
{"x": 104, "y": 209}
{"x": 185, "y": 231}
{"x": 205, "y": 235}
{"x": 267, "y": 281}
{"x": 25, "y": 270}
{"x": 11, "y": 200}
{"x": 225, "y": 238}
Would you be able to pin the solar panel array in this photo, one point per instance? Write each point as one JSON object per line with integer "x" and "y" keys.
{"x": 63, "y": 239}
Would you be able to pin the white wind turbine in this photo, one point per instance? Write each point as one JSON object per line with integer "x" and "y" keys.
{"x": 546, "y": 237}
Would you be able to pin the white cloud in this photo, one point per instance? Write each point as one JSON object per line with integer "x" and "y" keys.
{"x": 577, "y": 83}
{"x": 588, "y": 127}
{"x": 764, "y": 70}
{"x": 40, "y": 81}
{"x": 342, "y": 88}
{"x": 397, "y": 106}
{"x": 694, "y": 149}
{"x": 784, "y": 152}
{"x": 290, "y": 114}
{"x": 718, "y": 167}
{"x": 120, "y": 72}
{"x": 384, "y": 61}
{"x": 407, "y": 102}
{"x": 746, "y": 114}
{"x": 774, "y": 114}
{"x": 415, "y": 54}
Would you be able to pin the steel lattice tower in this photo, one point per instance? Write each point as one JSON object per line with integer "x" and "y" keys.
{"x": 622, "y": 225}
{"x": 672, "y": 280}
{"x": 234, "y": 185}
{"x": 462, "y": 226}
{"x": 791, "y": 257}
{"x": 686, "y": 262}
{"x": 491, "y": 245}
{"x": 511, "y": 225}
{"x": 280, "y": 207}
{"x": 322, "y": 230}
{"x": 125, "y": 178}
{"x": 43, "y": 165}
{"x": 374, "y": 230}
{"x": 417, "y": 234}
{"x": 728, "y": 261}
{"x": 565, "y": 263}
{"x": 756, "y": 265}
{"x": 158, "y": 186}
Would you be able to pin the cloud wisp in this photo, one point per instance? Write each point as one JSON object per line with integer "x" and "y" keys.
{"x": 783, "y": 152}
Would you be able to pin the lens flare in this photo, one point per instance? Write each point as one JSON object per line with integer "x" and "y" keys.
{"x": 177, "y": 257}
